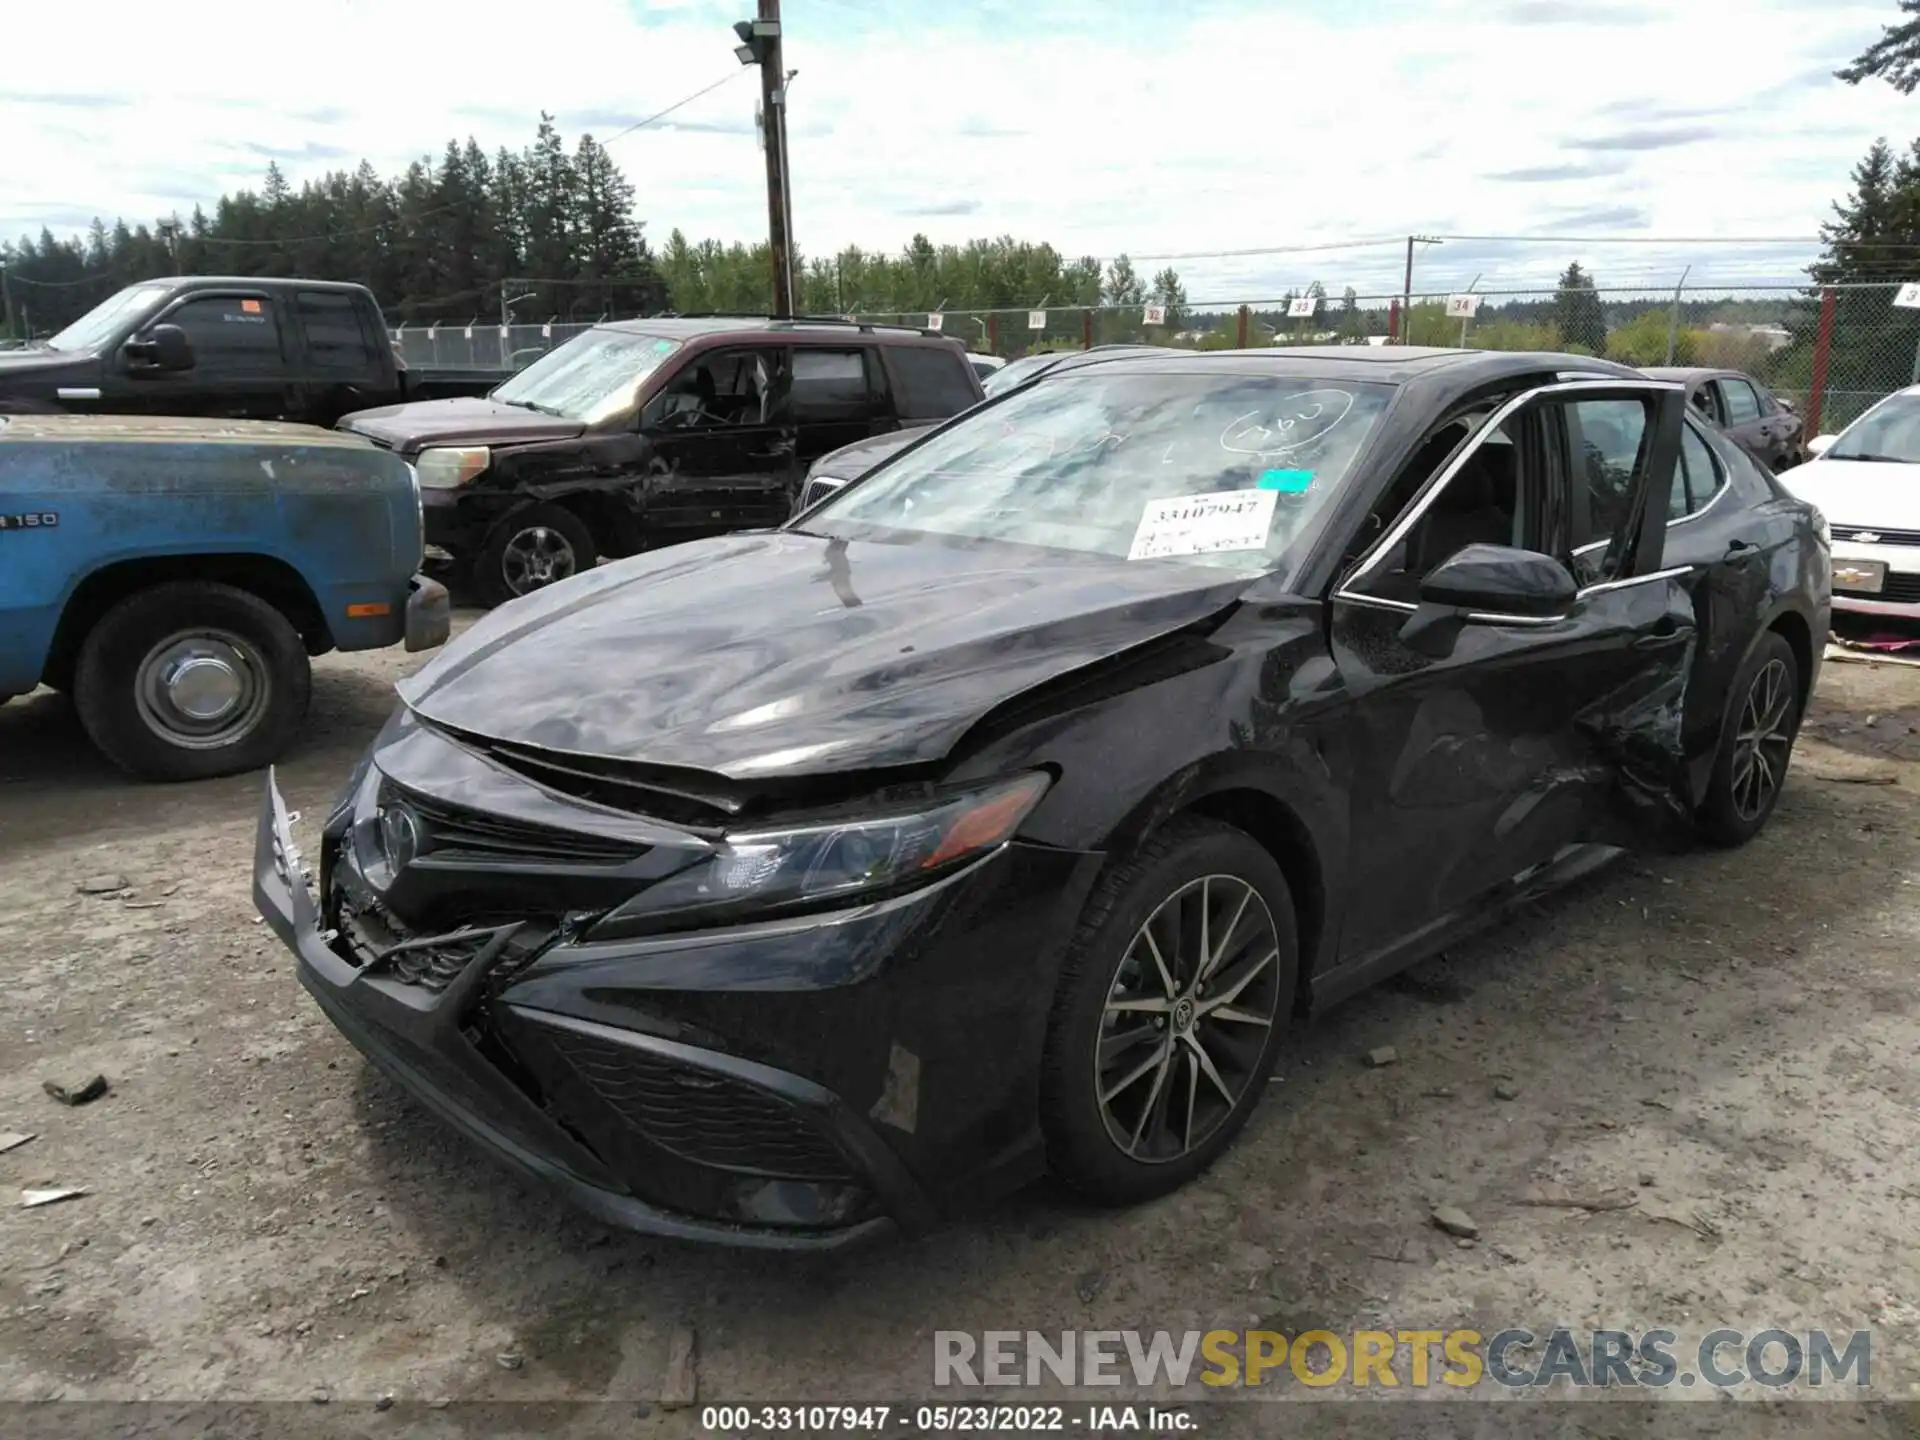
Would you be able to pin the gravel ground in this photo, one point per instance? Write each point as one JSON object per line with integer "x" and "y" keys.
{"x": 1725, "y": 1038}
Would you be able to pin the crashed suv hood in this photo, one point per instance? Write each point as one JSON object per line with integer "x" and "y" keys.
{"x": 769, "y": 654}
{"x": 473, "y": 420}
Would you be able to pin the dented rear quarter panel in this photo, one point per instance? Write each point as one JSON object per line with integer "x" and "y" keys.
{"x": 336, "y": 510}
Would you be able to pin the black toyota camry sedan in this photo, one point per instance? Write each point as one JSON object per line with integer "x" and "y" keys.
{"x": 998, "y": 814}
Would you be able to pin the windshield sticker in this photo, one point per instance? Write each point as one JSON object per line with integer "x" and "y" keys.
{"x": 1295, "y": 422}
{"x": 1204, "y": 524}
{"x": 1286, "y": 482}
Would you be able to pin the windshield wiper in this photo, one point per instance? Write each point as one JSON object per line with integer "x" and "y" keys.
{"x": 536, "y": 407}
{"x": 1873, "y": 459}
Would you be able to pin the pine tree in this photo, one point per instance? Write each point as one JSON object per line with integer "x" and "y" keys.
{"x": 1578, "y": 314}
{"x": 1894, "y": 57}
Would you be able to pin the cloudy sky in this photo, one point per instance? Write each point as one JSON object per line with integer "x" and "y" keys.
{"x": 1150, "y": 126}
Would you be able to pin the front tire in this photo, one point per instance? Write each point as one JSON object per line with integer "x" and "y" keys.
{"x": 1166, "y": 1023}
{"x": 531, "y": 549}
{"x": 190, "y": 680}
{"x": 1756, "y": 742}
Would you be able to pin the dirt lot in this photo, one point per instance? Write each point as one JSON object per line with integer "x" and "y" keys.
{"x": 1728, "y": 1039}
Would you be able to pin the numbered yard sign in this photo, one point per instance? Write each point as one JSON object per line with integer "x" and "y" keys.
{"x": 936, "y": 322}
{"x": 1156, "y": 314}
{"x": 1302, "y": 307}
{"x": 1909, "y": 297}
{"x": 1462, "y": 307}
{"x": 1036, "y": 319}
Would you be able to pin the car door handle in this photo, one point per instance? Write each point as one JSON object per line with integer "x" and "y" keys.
{"x": 1741, "y": 548}
{"x": 1664, "y": 629}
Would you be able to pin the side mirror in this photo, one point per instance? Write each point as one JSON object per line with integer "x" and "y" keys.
{"x": 1819, "y": 445}
{"x": 1490, "y": 580}
{"x": 163, "y": 348}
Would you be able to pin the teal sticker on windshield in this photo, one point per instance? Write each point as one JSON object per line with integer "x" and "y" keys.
{"x": 662, "y": 346}
{"x": 1287, "y": 482}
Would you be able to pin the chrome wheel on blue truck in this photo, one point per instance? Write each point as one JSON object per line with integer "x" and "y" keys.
{"x": 190, "y": 680}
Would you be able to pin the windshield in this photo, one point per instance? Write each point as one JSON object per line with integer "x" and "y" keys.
{"x": 590, "y": 377}
{"x": 1017, "y": 372}
{"x": 1214, "y": 470}
{"x": 1888, "y": 432}
{"x": 97, "y": 326}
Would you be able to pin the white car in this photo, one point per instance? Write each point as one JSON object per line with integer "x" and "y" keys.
{"x": 1866, "y": 481}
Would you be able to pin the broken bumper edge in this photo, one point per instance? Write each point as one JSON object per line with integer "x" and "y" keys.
{"x": 429, "y": 614}
{"x": 286, "y": 902}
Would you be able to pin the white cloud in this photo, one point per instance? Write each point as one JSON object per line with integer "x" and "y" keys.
{"x": 1234, "y": 128}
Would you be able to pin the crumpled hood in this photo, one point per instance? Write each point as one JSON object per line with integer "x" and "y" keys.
{"x": 469, "y": 420}
{"x": 757, "y": 655}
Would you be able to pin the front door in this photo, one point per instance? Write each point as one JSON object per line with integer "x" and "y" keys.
{"x": 725, "y": 448}
{"x": 241, "y": 343}
{"x": 1529, "y": 734}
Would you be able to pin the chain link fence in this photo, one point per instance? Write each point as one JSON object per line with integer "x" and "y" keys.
{"x": 1833, "y": 351}
{"x": 478, "y": 345}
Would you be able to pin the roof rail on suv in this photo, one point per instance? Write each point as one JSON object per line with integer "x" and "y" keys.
{"x": 795, "y": 322}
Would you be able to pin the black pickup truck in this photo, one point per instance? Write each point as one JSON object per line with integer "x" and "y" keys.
{"x": 238, "y": 348}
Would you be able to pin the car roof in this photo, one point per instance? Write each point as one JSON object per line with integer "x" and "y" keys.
{"x": 249, "y": 282}
{"x": 1685, "y": 373}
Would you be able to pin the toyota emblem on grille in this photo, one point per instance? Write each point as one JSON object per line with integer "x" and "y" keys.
{"x": 399, "y": 836}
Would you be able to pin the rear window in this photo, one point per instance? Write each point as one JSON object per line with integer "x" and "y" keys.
{"x": 933, "y": 381}
{"x": 335, "y": 339}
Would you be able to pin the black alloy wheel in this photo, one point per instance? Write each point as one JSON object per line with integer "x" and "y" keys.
{"x": 1168, "y": 1014}
{"x": 1756, "y": 743}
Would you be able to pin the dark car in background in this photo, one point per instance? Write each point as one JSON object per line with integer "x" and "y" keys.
{"x": 998, "y": 814}
{"x": 643, "y": 433}
{"x": 231, "y": 348}
{"x": 850, "y": 462}
{"x": 1767, "y": 427}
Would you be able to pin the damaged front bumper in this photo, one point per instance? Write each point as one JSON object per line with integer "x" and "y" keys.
{"x": 429, "y": 614}
{"x": 700, "y": 1086}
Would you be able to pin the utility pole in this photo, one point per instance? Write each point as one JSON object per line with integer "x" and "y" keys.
{"x": 760, "y": 45}
{"x": 1406, "y": 297}
{"x": 1673, "y": 317}
{"x": 6, "y": 301}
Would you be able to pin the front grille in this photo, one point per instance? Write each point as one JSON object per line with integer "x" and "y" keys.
{"x": 659, "y": 792}
{"x": 1901, "y": 589}
{"x": 818, "y": 489}
{"x": 366, "y": 931}
{"x": 1880, "y": 537}
{"x": 456, "y": 832}
{"x": 706, "y": 1118}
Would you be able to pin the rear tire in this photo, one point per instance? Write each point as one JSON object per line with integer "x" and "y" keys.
{"x": 1201, "y": 1062}
{"x": 1756, "y": 743}
{"x": 190, "y": 680}
{"x": 531, "y": 549}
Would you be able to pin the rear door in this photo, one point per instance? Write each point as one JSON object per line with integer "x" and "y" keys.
{"x": 1745, "y": 419}
{"x": 344, "y": 356}
{"x": 725, "y": 445}
{"x": 241, "y": 353}
{"x": 1530, "y": 735}
{"x": 839, "y": 395}
{"x": 930, "y": 382}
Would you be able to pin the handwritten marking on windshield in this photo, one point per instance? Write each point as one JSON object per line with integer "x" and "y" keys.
{"x": 1294, "y": 422}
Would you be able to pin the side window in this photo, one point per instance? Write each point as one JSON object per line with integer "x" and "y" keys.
{"x": 1704, "y": 405}
{"x": 336, "y": 339}
{"x": 228, "y": 332}
{"x": 933, "y": 381}
{"x": 1605, "y": 439}
{"x": 1486, "y": 501}
{"x": 830, "y": 385}
{"x": 1696, "y": 479}
{"x": 719, "y": 389}
{"x": 1741, "y": 403}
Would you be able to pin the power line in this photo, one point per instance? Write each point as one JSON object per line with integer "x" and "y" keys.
{"x": 1277, "y": 250}
{"x": 661, "y": 115}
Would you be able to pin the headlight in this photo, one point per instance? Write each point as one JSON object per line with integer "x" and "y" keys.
{"x": 450, "y": 469}
{"x": 756, "y": 871}
{"x": 1822, "y": 528}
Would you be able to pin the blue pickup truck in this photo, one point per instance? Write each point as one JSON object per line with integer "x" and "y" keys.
{"x": 175, "y": 575}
